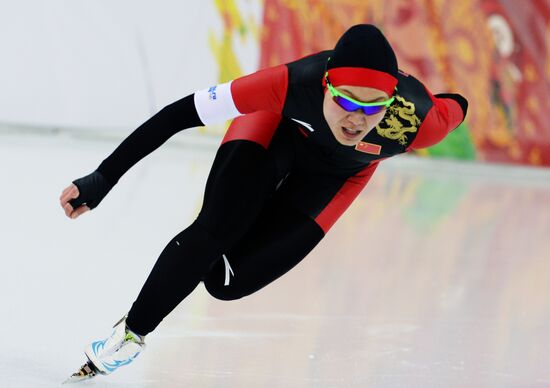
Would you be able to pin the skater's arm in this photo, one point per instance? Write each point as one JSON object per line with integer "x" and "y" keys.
{"x": 87, "y": 192}
{"x": 149, "y": 136}
{"x": 447, "y": 113}
{"x": 263, "y": 90}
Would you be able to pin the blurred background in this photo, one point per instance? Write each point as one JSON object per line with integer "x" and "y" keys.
{"x": 107, "y": 65}
{"x": 437, "y": 276}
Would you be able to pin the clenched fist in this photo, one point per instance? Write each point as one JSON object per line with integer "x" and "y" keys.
{"x": 84, "y": 194}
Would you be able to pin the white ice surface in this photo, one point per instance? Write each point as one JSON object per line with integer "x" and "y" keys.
{"x": 437, "y": 277}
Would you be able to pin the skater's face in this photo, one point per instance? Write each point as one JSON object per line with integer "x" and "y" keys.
{"x": 349, "y": 128}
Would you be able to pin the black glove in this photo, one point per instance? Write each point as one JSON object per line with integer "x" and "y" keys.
{"x": 92, "y": 188}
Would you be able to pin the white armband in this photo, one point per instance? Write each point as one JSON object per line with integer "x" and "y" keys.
{"x": 215, "y": 104}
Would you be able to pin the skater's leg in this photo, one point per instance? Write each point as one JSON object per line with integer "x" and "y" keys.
{"x": 175, "y": 275}
{"x": 283, "y": 235}
{"x": 280, "y": 239}
{"x": 243, "y": 176}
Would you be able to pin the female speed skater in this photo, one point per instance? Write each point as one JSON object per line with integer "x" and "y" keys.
{"x": 306, "y": 138}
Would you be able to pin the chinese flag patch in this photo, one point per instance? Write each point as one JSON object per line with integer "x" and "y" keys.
{"x": 368, "y": 148}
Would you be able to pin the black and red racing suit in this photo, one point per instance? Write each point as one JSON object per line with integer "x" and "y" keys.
{"x": 279, "y": 181}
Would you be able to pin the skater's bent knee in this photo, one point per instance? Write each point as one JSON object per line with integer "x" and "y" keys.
{"x": 221, "y": 292}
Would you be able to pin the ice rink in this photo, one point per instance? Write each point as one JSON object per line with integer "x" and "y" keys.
{"x": 438, "y": 276}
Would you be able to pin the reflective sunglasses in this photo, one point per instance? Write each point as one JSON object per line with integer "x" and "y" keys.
{"x": 350, "y": 105}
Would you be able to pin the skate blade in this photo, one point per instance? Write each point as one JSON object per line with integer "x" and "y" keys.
{"x": 86, "y": 372}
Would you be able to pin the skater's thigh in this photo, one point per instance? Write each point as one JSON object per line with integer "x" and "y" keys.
{"x": 244, "y": 175}
{"x": 303, "y": 210}
{"x": 325, "y": 196}
{"x": 278, "y": 241}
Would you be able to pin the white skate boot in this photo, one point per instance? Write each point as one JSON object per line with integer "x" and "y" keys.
{"x": 118, "y": 350}
{"x": 106, "y": 356}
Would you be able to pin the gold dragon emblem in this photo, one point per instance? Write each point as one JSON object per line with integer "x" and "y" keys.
{"x": 399, "y": 120}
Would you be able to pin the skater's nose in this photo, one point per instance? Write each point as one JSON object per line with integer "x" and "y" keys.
{"x": 357, "y": 118}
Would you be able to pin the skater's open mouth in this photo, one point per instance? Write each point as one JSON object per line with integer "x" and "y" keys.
{"x": 351, "y": 133}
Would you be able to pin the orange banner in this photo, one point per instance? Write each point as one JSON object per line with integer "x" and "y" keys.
{"x": 495, "y": 52}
